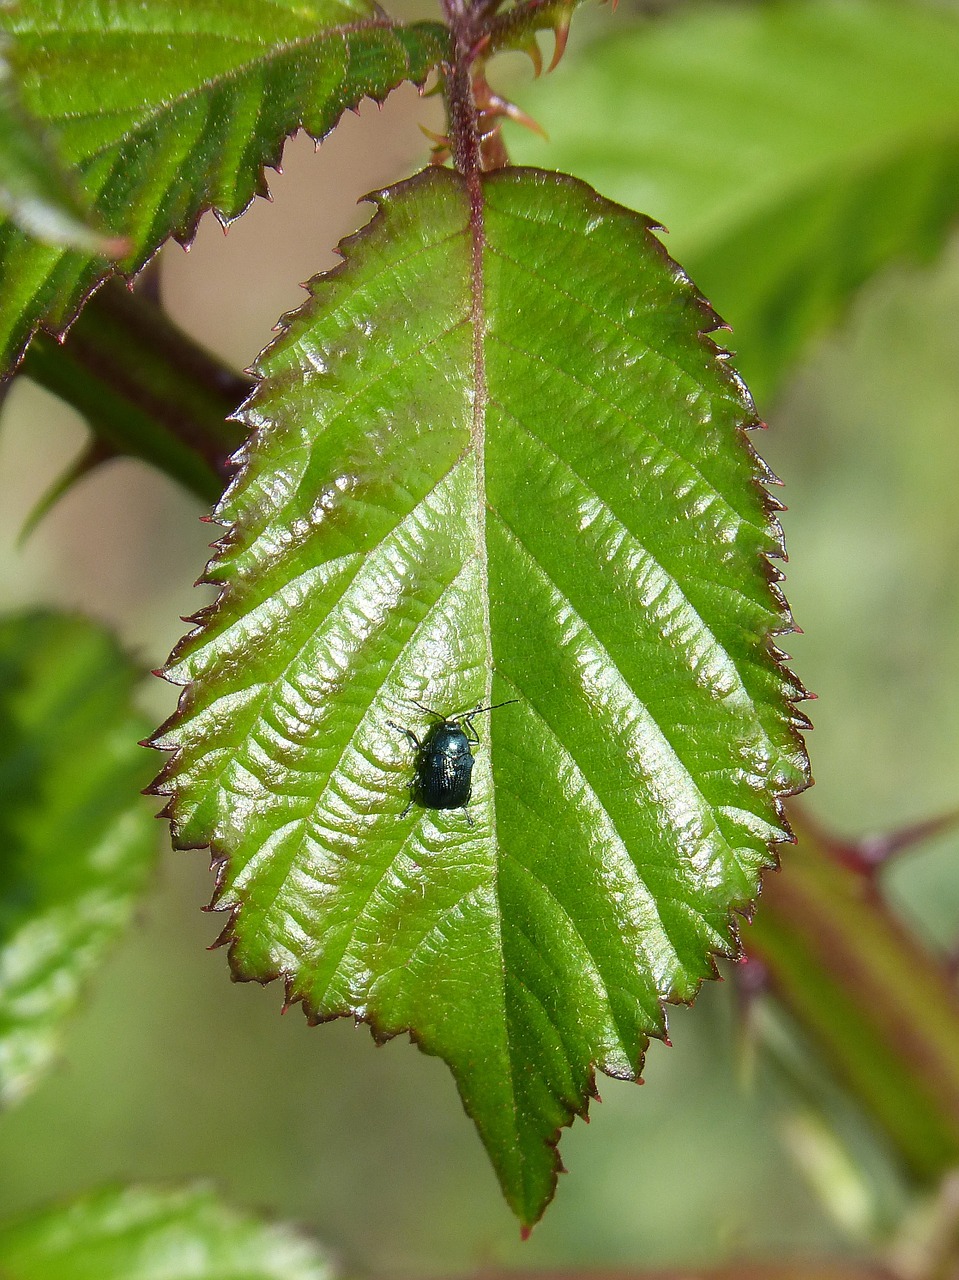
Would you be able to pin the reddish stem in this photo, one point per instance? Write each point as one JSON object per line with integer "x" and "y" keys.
{"x": 467, "y": 26}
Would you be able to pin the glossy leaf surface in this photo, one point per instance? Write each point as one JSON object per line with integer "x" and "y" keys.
{"x": 167, "y": 109}
{"x": 494, "y": 458}
{"x": 143, "y": 1234}
{"x": 78, "y": 840}
{"x": 792, "y": 149}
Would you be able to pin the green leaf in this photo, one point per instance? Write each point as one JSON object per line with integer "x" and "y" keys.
{"x": 494, "y": 458}
{"x": 166, "y": 110}
{"x": 792, "y": 149}
{"x": 139, "y": 1233}
{"x": 77, "y": 840}
{"x": 33, "y": 190}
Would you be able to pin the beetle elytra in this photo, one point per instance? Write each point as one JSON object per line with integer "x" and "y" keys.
{"x": 444, "y": 759}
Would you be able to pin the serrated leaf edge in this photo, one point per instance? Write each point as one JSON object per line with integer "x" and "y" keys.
{"x": 185, "y": 232}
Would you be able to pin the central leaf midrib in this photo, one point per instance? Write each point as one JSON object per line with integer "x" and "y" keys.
{"x": 476, "y": 232}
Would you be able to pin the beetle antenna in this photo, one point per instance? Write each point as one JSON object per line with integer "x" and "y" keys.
{"x": 478, "y": 711}
{"x": 429, "y": 710}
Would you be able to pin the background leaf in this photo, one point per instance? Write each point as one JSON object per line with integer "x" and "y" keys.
{"x": 138, "y": 1233}
{"x": 166, "y": 110}
{"x": 493, "y": 462}
{"x": 792, "y": 150}
{"x": 33, "y": 190}
{"x": 78, "y": 841}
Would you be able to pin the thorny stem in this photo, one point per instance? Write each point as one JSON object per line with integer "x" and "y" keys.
{"x": 881, "y": 1007}
{"x": 523, "y": 18}
{"x": 146, "y": 389}
{"x": 807, "y": 1269}
{"x": 484, "y": 9}
{"x": 467, "y": 27}
{"x": 475, "y": 141}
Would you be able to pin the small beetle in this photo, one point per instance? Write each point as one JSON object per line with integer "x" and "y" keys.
{"x": 444, "y": 761}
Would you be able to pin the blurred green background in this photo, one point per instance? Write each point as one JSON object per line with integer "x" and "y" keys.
{"x": 171, "y": 1072}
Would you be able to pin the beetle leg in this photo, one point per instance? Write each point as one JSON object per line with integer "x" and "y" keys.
{"x": 407, "y": 733}
{"x": 469, "y": 820}
{"x": 411, "y": 787}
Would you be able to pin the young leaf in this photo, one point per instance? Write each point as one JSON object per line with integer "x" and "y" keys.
{"x": 792, "y": 149}
{"x": 77, "y": 840}
{"x": 495, "y": 457}
{"x": 166, "y": 110}
{"x": 138, "y": 1233}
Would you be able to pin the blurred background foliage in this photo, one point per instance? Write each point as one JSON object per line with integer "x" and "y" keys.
{"x": 170, "y": 1072}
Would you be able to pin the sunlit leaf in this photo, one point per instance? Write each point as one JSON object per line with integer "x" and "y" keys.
{"x": 495, "y": 458}
{"x": 167, "y": 109}
{"x": 76, "y": 839}
{"x": 138, "y": 1233}
{"x": 792, "y": 149}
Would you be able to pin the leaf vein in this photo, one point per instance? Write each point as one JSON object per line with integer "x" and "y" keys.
{"x": 706, "y": 809}
{"x": 592, "y": 392}
{"x": 701, "y": 624}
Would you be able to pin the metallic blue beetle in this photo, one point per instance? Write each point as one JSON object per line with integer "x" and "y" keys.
{"x": 444, "y": 759}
